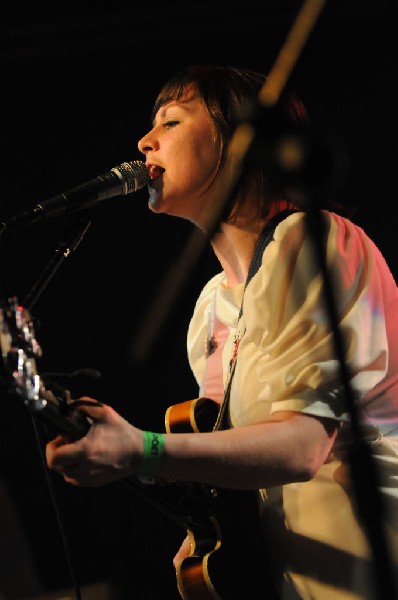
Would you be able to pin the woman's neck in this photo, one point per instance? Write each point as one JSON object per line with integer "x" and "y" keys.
{"x": 234, "y": 245}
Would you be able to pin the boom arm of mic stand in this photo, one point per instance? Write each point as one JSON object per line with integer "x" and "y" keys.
{"x": 239, "y": 146}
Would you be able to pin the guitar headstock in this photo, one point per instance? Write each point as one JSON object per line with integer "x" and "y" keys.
{"x": 20, "y": 350}
{"x": 19, "y": 374}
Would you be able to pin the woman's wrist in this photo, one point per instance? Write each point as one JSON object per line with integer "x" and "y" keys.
{"x": 152, "y": 454}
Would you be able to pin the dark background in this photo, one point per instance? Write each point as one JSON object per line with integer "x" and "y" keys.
{"x": 77, "y": 86}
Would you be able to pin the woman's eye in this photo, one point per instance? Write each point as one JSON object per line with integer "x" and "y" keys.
{"x": 169, "y": 124}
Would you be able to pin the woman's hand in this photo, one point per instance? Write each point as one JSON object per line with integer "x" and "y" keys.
{"x": 111, "y": 450}
{"x": 183, "y": 552}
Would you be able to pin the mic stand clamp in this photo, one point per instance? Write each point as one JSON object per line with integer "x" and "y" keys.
{"x": 66, "y": 246}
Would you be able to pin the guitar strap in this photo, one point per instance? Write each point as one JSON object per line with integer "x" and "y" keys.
{"x": 266, "y": 236}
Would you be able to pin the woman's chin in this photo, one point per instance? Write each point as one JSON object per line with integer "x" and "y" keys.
{"x": 154, "y": 202}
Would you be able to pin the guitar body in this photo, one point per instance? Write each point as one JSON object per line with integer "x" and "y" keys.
{"x": 192, "y": 416}
{"x": 237, "y": 566}
{"x": 228, "y": 558}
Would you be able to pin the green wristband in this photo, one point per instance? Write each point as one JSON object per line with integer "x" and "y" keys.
{"x": 152, "y": 453}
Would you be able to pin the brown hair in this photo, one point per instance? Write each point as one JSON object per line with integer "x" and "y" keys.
{"x": 231, "y": 94}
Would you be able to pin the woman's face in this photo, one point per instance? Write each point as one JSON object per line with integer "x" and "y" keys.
{"x": 182, "y": 153}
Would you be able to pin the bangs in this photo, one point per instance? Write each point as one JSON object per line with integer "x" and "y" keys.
{"x": 225, "y": 91}
{"x": 173, "y": 91}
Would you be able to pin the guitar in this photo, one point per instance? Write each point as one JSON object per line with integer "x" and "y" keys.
{"x": 227, "y": 560}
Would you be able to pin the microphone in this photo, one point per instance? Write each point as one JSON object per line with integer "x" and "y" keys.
{"x": 119, "y": 181}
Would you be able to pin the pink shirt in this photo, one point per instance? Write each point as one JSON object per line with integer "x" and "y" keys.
{"x": 213, "y": 385}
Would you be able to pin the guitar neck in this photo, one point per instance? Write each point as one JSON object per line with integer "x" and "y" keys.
{"x": 182, "y": 503}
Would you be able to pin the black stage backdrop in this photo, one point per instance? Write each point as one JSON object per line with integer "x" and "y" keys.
{"x": 77, "y": 86}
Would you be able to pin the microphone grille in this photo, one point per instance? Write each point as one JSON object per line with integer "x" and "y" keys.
{"x": 133, "y": 174}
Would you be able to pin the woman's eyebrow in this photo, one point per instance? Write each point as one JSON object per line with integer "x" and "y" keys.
{"x": 183, "y": 104}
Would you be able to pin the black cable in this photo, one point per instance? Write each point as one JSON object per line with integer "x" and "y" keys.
{"x": 52, "y": 493}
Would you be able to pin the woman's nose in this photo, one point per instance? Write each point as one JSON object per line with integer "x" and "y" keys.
{"x": 146, "y": 144}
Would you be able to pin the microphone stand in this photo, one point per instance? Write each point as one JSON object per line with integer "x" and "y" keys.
{"x": 364, "y": 474}
{"x": 72, "y": 238}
